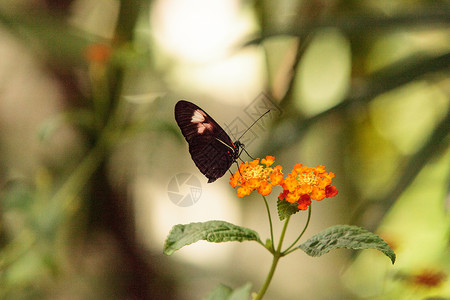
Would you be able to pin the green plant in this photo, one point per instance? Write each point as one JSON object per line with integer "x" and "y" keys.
{"x": 300, "y": 187}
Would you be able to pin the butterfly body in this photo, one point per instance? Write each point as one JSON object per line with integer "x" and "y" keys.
{"x": 211, "y": 149}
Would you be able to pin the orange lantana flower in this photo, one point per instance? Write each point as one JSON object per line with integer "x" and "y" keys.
{"x": 256, "y": 175}
{"x": 304, "y": 184}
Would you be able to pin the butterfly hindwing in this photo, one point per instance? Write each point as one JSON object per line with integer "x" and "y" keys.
{"x": 210, "y": 147}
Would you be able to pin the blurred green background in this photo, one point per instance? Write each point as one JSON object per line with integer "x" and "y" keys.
{"x": 88, "y": 143}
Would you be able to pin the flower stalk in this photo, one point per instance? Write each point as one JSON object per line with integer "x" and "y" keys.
{"x": 300, "y": 187}
{"x": 288, "y": 249}
{"x": 272, "y": 241}
{"x": 276, "y": 257}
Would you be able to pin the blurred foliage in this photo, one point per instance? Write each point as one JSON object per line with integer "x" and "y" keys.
{"x": 370, "y": 76}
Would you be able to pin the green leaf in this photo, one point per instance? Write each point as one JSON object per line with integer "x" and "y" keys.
{"x": 268, "y": 244}
{"x": 211, "y": 231}
{"x": 62, "y": 43}
{"x": 223, "y": 292}
{"x": 241, "y": 293}
{"x": 285, "y": 209}
{"x": 345, "y": 236}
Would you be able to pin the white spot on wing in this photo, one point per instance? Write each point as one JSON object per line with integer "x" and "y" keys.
{"x": 199, "y": 118}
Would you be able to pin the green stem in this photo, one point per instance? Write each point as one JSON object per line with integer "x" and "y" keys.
{"x": 283, "y": 233}
{"x": 263, "y": 290}
{"x": 77, "y": 180}
{"x": 100, "y": 93}
{"x": 270, "y": 223}
{"x": 276, "y": 257}
{"x": 287, "y": 251}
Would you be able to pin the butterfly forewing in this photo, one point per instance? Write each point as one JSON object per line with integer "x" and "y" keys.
{"x": 210, "y": 147}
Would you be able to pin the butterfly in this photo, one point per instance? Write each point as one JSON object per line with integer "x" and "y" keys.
{"x": 211, "y": 149}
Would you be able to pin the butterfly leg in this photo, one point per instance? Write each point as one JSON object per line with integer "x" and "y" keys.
{"x": 243, "y": 149}
{"x": 239, "y": 170}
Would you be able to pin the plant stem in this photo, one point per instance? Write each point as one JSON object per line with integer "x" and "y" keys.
{"x": 263, "y": 290}
{"x": 68, "y": 192}
{"x": 285, "y": 252}
{"x": 270, "y": 223}
{"x": 276, "y": 256}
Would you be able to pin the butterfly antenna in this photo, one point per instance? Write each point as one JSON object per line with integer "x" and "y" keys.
{"x": 253, "y": 124}
{"x": 231, "y": 133}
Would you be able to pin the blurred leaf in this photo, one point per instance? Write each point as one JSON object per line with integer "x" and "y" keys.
{"x": 211, "y": 231}
{"x": 358, "y": 24}
{"x": 26, "y": 269}
{"x": 435, "y": 146}
{"x": 241, "y": 293}
{"x": 16, "y": 195}
{"x": 223, "y": 292}
{"x": 220, "y": 292}
{"x": 80, "y": 117}
{"x": 345, "y": 236}
{"x": 286, "y": 209}
{"x": 324, "y": 72}
{"x": 59, "y": 40}
{"x": 362, "y": 92}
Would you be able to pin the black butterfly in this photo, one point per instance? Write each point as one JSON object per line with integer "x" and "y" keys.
{"x": 211, "y": 148}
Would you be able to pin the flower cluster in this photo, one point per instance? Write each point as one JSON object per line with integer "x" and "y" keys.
{"x": 304, "y": 184}
{"x": 301, "y": 186}
{"x": 252, "y": 176}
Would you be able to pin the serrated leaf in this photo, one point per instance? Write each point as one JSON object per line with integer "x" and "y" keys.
{"x": 345, "y": 236}
{"x": 286, "y": 209}
{"x": 211, "y": 231}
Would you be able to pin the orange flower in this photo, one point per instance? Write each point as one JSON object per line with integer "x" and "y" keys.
{"x": 304, "y": 184}
{"x": 255, "y": 176}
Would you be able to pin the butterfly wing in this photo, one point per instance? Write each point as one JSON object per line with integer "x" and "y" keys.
{"x": 210, "y": 147}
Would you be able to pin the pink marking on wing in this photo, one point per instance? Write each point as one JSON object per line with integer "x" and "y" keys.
{"x": 201, "y": 127}
{"x": 199, "y": 118}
